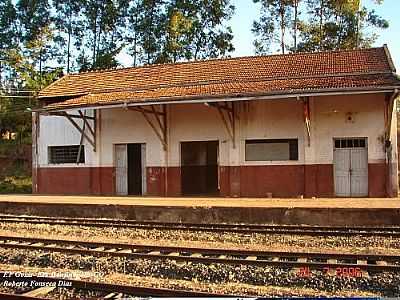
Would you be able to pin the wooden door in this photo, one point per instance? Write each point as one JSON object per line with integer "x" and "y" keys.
{"x": 121, "y": 169}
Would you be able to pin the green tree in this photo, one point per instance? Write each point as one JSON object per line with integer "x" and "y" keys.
{"x": 274, "y": 22}
{"x": 149, "y": 28}
{"x": 316, "y": 25}
{"x": 339, "y": 24}
{"x": 104, "y": 20}
{"x": 211, "y": 37}
{"x": 69, "y": 30}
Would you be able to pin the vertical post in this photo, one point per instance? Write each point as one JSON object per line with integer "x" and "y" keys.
{"x": 35, "y": 164}
{"x": 233, "y": 125}
{"x": 166, "y": 146}
{"x": 95, "y": 129}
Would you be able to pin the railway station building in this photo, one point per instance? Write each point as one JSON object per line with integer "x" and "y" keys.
{"x": 310, "y": 124}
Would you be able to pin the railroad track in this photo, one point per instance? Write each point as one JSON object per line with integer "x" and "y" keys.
{"x": 111, "y": 291}
{"x": 312, "y": 260}
{"x": 235, "y": 228}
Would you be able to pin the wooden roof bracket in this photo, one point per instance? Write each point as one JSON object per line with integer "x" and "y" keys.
{"x": 227, "y": 112}
{"x": 158, "y": 123}
{"x": 81, "y": 141}
{"x": 82, "y": 130}
{"x": 388, "y": 114}
{"x": 307, "y": 118}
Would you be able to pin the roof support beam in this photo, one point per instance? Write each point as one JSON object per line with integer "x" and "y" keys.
{"x": 307, "y": 118}
{"x": 389, "y": 105}
{"x": 228, "y": 117}
{"x": 158, "y": 123}
{"x": 90, "y": 139}
{"x": 81, "y": 141}
{"x": 72, "y": 116}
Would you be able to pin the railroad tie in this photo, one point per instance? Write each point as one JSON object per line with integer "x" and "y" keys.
{"x": 381, "y": 263}
{"x": 27, "y": 244}
{"x": 302, "y": 260}
{"x": 276, "y": 259}
{"x": 98, "y": 249}
{"x": 42, "y": 291}
{"x": 332, "y": 261}
{"x": 222, "y": 256}
{"x": 251, "y": 258}
{"x": 362, "y": 262}
{"x": 15, "y": 243}
{"x": 196, "y": 255}
{"x": 35, "y": 244}
{"x": 51, "y": 245}
{"x": 154, "y": 253}
{"x": 110, "y": 296}
{"x": 111, "y": 250}
{"x": 125, "y": 251}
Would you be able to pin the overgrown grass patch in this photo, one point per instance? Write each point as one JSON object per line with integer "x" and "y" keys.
{"x": 16, "y": 185}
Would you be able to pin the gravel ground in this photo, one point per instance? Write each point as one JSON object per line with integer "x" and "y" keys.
{"x": 230, "y": 288}
{"x": 383, "y": 284}
{"x": 361, "y": 244}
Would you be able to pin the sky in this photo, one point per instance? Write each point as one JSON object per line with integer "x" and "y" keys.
{"x": 246, "y": 11}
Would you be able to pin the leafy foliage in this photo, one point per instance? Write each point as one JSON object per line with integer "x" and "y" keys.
{"x": 316, "y": 25}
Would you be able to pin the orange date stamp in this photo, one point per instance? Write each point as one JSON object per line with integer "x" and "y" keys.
{"x": 338, "y": 272}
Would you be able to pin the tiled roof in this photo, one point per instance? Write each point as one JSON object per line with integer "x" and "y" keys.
{"x": 246, "y": 76}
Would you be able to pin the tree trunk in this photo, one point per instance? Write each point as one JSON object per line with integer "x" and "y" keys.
{"x": 135, "y": 41}
{"x": 321, "y": 31}
{"x": 94, "y": 30}
{"x": 282, "y": 15}
{"x": 358, "y": 25}
{"x": 69, "y": 43}
{"x": 296, "y": 6}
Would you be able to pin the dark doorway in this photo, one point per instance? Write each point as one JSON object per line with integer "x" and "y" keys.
{"x": 134, "y": 169}
{"x": 199, "y": 162}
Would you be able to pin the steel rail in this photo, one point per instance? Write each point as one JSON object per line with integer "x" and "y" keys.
{"x": 372, "y": 262}
{"x": 235, "y": 228}
{"x": 111, "y": 287}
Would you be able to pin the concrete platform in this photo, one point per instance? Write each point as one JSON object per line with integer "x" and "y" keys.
{"x": 329, "y": 212}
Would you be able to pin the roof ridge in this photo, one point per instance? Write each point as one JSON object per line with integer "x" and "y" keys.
{"x": 150, "y": 66}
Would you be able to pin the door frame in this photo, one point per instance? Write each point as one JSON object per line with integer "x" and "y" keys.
{"x": 143, "y": 163}
{"x": 365, "y": 147}
{"x": 218, "y": 191}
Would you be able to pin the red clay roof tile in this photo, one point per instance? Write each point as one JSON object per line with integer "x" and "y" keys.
{"x": 273, "y": 74}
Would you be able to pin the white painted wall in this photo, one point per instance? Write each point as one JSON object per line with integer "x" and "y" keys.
{"x": 120, "y": 126}
{"x": 58, "y": 131}
{"x": 328, "y": 121}
{"x": 258, "y": 119}
{"x": 272, "y": 119}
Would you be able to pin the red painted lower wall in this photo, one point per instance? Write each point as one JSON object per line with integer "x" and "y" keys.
{"x": 278, "y": 181}
{"x": 73, "y": 181}
{"x": 377, "y": 180}
{"x": 243, "y": 181}
{"x": 318, "y": 181}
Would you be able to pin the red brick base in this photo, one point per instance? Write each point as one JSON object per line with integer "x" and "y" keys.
{"x": 244, "y": 181}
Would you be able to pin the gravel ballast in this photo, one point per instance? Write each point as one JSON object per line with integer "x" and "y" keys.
{"x": 257, "y": 241}
{"x": 383, "y": 284}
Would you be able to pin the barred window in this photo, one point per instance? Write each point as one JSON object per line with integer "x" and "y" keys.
{"x": 66, "y": 154}
{"x": 272, "y": 150}
{"x": 351, "y": 143}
